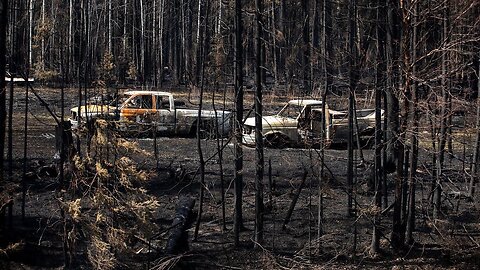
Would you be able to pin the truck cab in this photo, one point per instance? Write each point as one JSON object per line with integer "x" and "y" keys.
{"x": 282, "y": 129}
{"x": 157, "y": 112}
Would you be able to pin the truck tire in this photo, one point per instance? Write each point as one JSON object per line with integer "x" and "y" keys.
{"x": 207, "y": 130}
{"x": 277, "y": 140}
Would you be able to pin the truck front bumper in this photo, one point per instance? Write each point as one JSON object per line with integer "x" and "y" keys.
{"x": 248, "y": 136}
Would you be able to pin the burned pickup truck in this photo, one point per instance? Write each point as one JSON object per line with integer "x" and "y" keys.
{"x": 299, "y": 122}
{"x": 156, "y": 111}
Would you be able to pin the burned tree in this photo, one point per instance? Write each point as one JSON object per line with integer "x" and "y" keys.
{"x": 259, "y": 207}
{"x": 238, "y": 68}
{"x": 3, "y": 44}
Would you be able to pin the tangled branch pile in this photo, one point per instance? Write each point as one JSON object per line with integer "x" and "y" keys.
{"x": 106, "y": 204}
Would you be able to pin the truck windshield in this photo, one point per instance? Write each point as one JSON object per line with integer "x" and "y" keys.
{"x": 290, "y": 111}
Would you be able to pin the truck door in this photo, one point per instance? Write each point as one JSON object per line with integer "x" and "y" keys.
{"x": 138, "y": 108}
{"x": 165, "y": 114}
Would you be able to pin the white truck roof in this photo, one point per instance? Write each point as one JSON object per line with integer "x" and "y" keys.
{"x": 145, "y": 92}
{"x": 305, "y": 102}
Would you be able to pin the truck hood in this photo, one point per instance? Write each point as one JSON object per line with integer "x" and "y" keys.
{"x": 273, "y": 121}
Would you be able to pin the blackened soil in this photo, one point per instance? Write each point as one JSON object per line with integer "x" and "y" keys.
{"x": 451, "y": 242}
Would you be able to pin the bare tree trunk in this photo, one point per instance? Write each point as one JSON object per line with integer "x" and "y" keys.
{"x": 282, "y": 55}
{"x": 475, "y": 169}
{"x": 306, "y": 47}
{"x": 160, "y": 39}
{"x": 154, "y": 50}
{"x": 142, "y": 42}
{"x": 443, "y": 119}
{"x": 410, "y": 226}
{"x": 42, "y": 51}
{"x": 10, "y": 132}
{"x": 109, "y": 24}
{"x": 392, "y": 106}
{"x": 25, "y": 137}
{"x": 3, "y": 112}
{"x": 219, "y": 141}
{"x": 259, "y": 207}
{"x": 398, "y": 233}
{"x": 124, "y": 36}
{"x": 30, "y": 32}
{"x": 199, "y": 121}
{"x": 10, "y": 128}
{"x": 351, "y": 97}
{"x": 274, "y": 30}
{"x": 375, "y": 246}
{"x": 238, "y": 174}
{"x": 356, "y": 132}
{"x": 324, "y": 137}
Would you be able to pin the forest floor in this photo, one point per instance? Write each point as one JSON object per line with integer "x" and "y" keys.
{"x": 451, "y": 242}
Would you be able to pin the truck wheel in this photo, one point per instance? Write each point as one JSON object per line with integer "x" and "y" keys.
{"x": 207, "y": 130}
{"x": 277, "y": 140}
{"x": 204, "y": 133}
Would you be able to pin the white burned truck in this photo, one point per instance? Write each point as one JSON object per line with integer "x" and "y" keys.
{"x": 144, "y": 111}
{"x": 299, "y": 122}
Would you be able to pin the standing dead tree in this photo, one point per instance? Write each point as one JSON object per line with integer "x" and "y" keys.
{"x": 442, "y": 139}
{"x": 199, "y": 143}
{"x": 410, "y": 220}
{"x": 351, "y": 96}
{"x": 327, "y": 66}
{"x": 3, "y": 44}
{"x": 238, "y": 68}
{"x": 375, "y": 246}
{"x": 259, "y": 208}
{"x": 476, "y": 159}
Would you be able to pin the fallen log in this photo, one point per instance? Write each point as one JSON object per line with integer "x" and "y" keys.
{"x": 178, "y": 239}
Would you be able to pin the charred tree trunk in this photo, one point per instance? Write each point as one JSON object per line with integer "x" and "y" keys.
{"x": 351, "y": 97}
{"x": 199, "y": 119}
{"x": 398, "y": 233}
{"x": 392, "y": 106}
{"x": 3, "y": 112}
{"x": 443, "y": 119}
{"x": 375, "y": 246}
{"x": 410, "y": 226}
{"x": 178, "y": 240}
{"x": 306, "y": 47}
{"x": 259, "y": 207}
{"x": 475, "y": 169}
{"x": 25, "y": 144}
{"x": 295, "y": 199}
{"x": 327, "y": 58}
{"x": 238, "y": 174}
